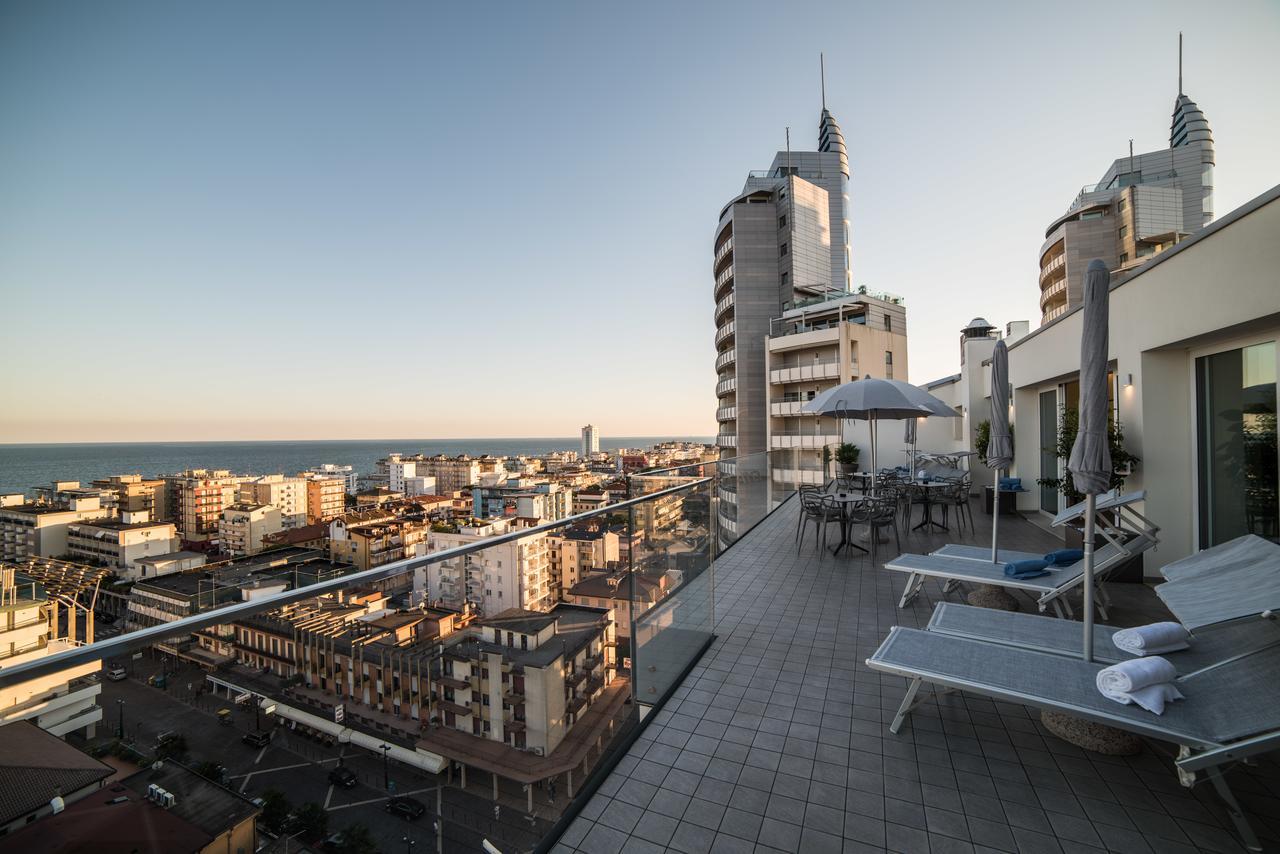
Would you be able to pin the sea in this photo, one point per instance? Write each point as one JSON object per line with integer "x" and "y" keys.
{"x": 23, "y": 467}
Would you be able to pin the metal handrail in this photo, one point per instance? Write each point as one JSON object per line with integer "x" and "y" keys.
{"x": 130, "y": 641}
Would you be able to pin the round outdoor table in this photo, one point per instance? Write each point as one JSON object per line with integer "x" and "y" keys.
{"x": 847, "y": 501}
{"x": 926, "y": 489}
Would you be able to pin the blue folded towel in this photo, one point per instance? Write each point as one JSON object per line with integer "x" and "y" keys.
{"x": 1021, "y": 569}
{"x": 1064, "y": 557}
{"x": 1011, "y": 484}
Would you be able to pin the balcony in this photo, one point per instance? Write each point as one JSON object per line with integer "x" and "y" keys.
{"x": 784, "y": 408}
{"x": 728, "y": 357}
{"x": 724, "y": 306}
{"x": 808, "y": 372}
{"x": 727, "y": 440}
{"x": 725, "y": 387}
{"x": 786, "y": 439}
{"x": 727, "y": 413}
{"x": 724, "y": 333}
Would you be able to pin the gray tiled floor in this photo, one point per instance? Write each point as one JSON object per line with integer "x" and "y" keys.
{"x": 778, "y": 739}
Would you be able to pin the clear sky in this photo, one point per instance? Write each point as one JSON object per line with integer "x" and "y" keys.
{"x": 359, "y": 220}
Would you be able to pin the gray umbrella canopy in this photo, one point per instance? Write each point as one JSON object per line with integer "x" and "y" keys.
{"x": 1000, "y": 444}
{"x": 1090, "y": 462}
{"x": 1000, "y": 448}
{"x": 872, "y": 399}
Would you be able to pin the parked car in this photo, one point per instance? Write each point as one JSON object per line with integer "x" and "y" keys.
{"x": 117, "y": 673}
{"x": 406, "y": 808}
{"x": 343, "y": 776}
{"x": 258, "y": 738}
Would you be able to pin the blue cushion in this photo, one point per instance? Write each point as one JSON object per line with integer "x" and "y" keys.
{"x": 1033, "y": 568}
{"x": 1064, "y": 557}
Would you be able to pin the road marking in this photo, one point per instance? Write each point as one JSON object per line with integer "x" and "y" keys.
{"x": 260, "y": 752}
{"x": 269, "y": 770}
{"x": 372, "y": 800}
{"x": 328, "y": 795}
{"x": 245, "y": 784}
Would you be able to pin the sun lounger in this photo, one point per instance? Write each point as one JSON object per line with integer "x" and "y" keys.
{"x": 1126, "y": 533}
{"x": 1050, "y": 590}
{"x": 1062, "y": 637}
{"x": 1212, "y": 725}
{"x": 1234, "y": 580}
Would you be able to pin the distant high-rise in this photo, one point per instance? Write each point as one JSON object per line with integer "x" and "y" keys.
{"x": 590, "y": 440}
{"x": 1143, "y": 204}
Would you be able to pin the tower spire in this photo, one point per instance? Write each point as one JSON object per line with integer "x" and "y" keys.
{"x": 1179, "y": 62}
{"x": 822, "y": 72}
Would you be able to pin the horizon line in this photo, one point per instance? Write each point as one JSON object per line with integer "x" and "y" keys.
{"x": 287, "y": 441}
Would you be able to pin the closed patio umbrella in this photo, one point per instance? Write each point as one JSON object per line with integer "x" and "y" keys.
{"x": 1000, "y": 446}
{"x": 909, "y": 436}
{"x": 1090, "y": 461}
{"x": 870, "y": 399}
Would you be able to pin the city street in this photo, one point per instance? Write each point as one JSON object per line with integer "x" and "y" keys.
{"x": 299, "y": 767}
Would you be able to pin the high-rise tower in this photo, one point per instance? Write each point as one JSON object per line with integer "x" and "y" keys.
{"x": 1143, "y": 204}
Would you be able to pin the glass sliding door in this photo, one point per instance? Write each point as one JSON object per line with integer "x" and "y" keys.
{"x": 1048, "y": 444}
{"x": 1236, "y": 438}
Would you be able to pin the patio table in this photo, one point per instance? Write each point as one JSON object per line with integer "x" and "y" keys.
{"x": 926, "y": 491}
{"x": 847, "y": 501}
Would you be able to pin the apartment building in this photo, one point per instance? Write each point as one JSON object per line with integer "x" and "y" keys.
{"x": 134, "y": 493}
{"x": 196, "y": 499}
{"x": 613, "y": 590}
{"x": 815, "y": 344}
{"x": 326, "y": 497}
{"x": 41, "y": 530}
{"x": 348, "y": 475}
{"x": 509, "y": 575}
{"x": 581, "y": 550}
{"x": 376, "y": 537}
{"x": 121, "y": 543}
{"x": 286, "y": 494}
{"x": 1141, "y": 206}
{"x": 524, "y": 678}
{"x": 37, "y": 772}
{"x": 243, "y": 527}
{"x": 31, "y": 627}
{"x": 522, "y": 497}
{"x": 452, "y": 474}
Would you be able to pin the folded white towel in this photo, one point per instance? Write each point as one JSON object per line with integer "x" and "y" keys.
{"x": 1145, "y": 681}
{"x": 1154, "y": 639}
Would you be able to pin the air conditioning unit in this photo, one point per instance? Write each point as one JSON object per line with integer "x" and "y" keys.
{"x": 168, "y": 800}
{"x": 152, "y": 791}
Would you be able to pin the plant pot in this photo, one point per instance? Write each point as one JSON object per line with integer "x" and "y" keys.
{"x": 848, "y": 468}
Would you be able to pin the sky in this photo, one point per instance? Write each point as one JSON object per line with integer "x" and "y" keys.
{"x": 303, "y": 220}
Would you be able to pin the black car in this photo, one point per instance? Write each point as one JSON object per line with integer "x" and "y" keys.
{"x": 406, "y": 808}
{"x": 258, "y": 738}
{"x": 343, "y": 776}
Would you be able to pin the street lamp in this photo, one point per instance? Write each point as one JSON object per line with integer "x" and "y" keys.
{"x": 120, "y": 726}
{"x": 408, "y": 844}
{"x": 386, "y": 773}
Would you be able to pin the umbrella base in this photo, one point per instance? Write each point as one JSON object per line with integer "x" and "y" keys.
{"x": 1087, "y": 735}
{"x": 989, "y": 596}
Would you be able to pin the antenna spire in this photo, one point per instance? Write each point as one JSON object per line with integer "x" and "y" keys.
{"x": 1179, "y": 62}
{"x": 822, "y": 71}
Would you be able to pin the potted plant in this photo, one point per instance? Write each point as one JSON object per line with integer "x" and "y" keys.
{"x": 1122, "y": 465}
{"x": 847, "y": 457}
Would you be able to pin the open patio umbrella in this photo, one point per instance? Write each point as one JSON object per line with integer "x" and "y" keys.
{"x": 1090, "y": 462}
{"x": 870, "y": 400}
{"x": 1000, "y": 446}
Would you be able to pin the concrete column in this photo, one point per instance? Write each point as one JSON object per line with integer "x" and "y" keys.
{"x": 464, "y": 776}
{"x": 495, "y": 786}
{"x": 530, "y": 810}
{"x": 570, "y": 774}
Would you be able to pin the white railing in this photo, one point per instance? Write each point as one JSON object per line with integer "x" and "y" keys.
{"x": 727, "y": 413}
{"x": 805, "y": 373}
{"x": 805, "y": 440}
{"x": 725, "y": 249}
{"x": 726, "y": 303}
{"x": 725, "y": 386}
{"x": 728, "y": 357}
{"x": 727, "y": 440}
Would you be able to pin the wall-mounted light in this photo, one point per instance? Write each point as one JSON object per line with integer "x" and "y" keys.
{"x": 1128, "y": 380}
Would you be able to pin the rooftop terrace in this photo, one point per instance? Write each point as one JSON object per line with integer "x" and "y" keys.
{"x": 778, "y": 739}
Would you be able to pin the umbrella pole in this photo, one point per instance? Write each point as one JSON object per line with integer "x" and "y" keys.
{"x": 995, "y": 512}
{"x": 1090, "y": 502}
{"x": 874, "y": 467}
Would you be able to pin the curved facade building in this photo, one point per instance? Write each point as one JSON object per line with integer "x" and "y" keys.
{"x": 1143, "y": 204}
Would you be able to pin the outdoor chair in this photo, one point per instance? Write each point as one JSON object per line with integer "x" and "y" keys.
{"x": 959, "y": 499}
{"x": 821, "y": 510}
{"x": 802, "y": 491}
{"x": 1213, "y": 726}
{"x": 879, "y": 513}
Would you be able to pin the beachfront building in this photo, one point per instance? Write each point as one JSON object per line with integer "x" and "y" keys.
{"x": 286, "y": 494}
{"x": 350, "y": 478}
{"x": 590, "y": 441}
{"x": 326, "y": 497}
{"x": 509, "y": 575}
{"x": 243, "y": 526}
{"x": 121, "y": 543}
{"x": 30, "y": 530}
{"x": 134, "y": 493}
{"x": 196, "y": 499}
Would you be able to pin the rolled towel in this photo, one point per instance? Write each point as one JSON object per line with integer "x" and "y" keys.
{"x": 1020, "y": 569}
{"x": 1155, "y": 639}
{"x": 1145, "y": 681}
{"x": 1064, "y": 557}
